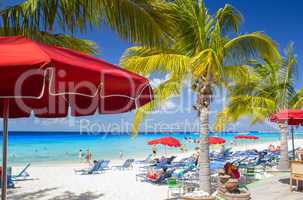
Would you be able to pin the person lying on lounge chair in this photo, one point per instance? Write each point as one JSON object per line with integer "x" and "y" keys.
{"x": 158, "y": 176}
{"x": 95, "y": 162}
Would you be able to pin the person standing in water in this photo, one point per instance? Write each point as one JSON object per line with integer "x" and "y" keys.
{"x": 80, "y": 155}
{"x": 121, "y": 155}
{"x": 88, "y": 156}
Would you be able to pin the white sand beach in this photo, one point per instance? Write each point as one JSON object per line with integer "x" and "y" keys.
{"x": 59, "y": 181}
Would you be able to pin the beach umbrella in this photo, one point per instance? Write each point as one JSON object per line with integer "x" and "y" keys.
{"x": 246, "y": 137}
{"x": 292, "y": 118}
{"x": 216, "y": 140}
{"x": 50, "y": 82}
{"x": 166, "y": 141}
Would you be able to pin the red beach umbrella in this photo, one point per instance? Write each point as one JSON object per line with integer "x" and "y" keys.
{"x": 246, "y": 137}
{"x": 47, "y": 82}
{"x": 166, "y": 141}
{"x": 216, "y": 140}
{"x": 291, "y": 117}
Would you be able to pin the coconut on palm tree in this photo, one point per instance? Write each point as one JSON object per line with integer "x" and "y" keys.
{"x": 270, "y": 89}
{"x": 206, "y": 49}
{"x": 137, "y": 21}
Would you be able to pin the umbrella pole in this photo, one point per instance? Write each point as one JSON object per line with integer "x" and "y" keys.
{"x": 4, "y": 151}
{"x": 293, "y": 142}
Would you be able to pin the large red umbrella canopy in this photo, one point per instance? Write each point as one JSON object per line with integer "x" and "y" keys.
{"x": 291, "y": 117}
{"x": 246, "y": 137}
{"x": 47, "y": 80}
{"x": 216, "y": 140}
{"x": 167, "y": 141}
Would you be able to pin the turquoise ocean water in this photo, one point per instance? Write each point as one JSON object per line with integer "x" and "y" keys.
{"x": 42, "y": 147}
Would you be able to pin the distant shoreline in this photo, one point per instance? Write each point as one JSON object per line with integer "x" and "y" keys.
{"x": 140, "y": 133}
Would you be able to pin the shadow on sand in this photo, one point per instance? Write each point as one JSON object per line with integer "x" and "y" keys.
{"x": 285, "y": 181}
{"x": 45, "y": 192}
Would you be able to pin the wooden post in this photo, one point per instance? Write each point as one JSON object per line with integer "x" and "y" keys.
{"x": 4, "y": 151}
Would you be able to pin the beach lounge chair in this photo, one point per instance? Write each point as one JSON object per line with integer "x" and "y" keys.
{"x": 128, "y": 164}
{"x": 145, "y": 161}
{"x": 97, "y": 168}
{"x": 104, "y": 165}
{"x": 163, "y": 178}
{"x": 10, "y": 182}
{"x": 22, "y": 175}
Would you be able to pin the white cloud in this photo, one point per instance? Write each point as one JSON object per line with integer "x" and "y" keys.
{"x": 168, "y": 105}
{"x": 155, "y": 82}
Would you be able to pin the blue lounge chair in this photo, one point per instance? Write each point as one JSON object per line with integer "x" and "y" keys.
{"x": 92, "y": 170}
{"x": 145, "y": 161}
{"x": 128, "y": 164}
{"x": 162, "y": 179}
{"x": 10, "y": 182}
{"x": 22, "y": 175}
{"x": 104, "y": 165}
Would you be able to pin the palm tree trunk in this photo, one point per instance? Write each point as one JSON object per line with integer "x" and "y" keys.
{"x": 204, "y": 165}
{"x": 284, "y": 160}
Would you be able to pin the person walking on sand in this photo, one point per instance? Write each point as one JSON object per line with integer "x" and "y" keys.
{"x": 88, "y": 156}
{"x": 80, "y": 155}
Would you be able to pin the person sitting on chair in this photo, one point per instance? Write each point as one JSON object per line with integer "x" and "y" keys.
{"x": 232, "y": 170}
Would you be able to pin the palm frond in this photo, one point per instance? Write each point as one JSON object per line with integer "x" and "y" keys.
{"x": 229, "y": 18}
{"x": 297, "y": 101}
{"x": 222, "y": 120}
{"x": 238, "y": 74}
{"x": 62, "y": 40}
{"x": 207, "y": 65}
{"x": 250, "y": 46}
{"x": 139, "y": 21}
{"x": 242, "y": 104}
{"x": 145, "y": 61}
{"x": 288, "y": 66}
{"x": 192, "y": 25}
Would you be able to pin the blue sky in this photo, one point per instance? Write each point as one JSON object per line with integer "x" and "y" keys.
{"x": 281, "y": 19}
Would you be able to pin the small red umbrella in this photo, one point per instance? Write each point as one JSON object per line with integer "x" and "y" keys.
{"x": 47, "y": 81}
{"x": 216, "y": 140}
{"x": 291, "y": 117}
{"x": 166, "y": 141}
{"x": 246, "y": 137}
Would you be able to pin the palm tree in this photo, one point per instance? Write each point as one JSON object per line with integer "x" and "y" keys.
{"x": 137, "y": 21}
{"x": 206, "y": 49}
{"x": 269, "y": 90}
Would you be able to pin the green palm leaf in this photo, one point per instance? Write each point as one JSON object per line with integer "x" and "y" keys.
{"x": 62, "y": 40}
{"x": 145, "y": 61}
{"x": 229, "y": 18}
{"x": 139, "y": 21}
{"x": 250, "y": 46}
